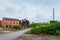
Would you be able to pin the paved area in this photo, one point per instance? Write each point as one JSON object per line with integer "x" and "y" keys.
{"x": 13, "y": 35}
{"x": 37, "y": 37}
{"x": 1, "y": 28}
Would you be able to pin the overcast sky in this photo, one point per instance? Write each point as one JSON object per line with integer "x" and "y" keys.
{"x": 33, "y": 10}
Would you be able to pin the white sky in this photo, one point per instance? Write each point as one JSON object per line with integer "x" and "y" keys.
{"x": 33, "y": 10}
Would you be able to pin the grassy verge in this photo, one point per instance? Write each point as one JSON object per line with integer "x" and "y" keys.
{"x": 50, "y": 29}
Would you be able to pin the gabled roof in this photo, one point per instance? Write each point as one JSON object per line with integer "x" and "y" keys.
{"x": 24, "y": 21}
{"x": 10, "y": 18}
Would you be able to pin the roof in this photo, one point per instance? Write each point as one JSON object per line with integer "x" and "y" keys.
{"x": 10, "y": 18}
{"x": 24, "y": 21}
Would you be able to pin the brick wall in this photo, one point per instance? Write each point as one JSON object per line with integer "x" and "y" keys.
{"x": 9, "y": 23}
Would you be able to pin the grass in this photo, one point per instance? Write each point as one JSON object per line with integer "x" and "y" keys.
{"x": 7, "y": 30}
{"x": 10, "y": 29}
{"x": 50, "y": 29}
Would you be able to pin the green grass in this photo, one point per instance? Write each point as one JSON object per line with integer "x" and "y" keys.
{"x": 50, "y": 29}
{"x": 11, "y": 29}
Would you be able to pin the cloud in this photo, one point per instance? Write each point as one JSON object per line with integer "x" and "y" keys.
{"x": 1, "y": 8}
{"x": 33, "y": 10}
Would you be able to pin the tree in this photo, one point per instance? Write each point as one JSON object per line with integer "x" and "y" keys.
{"x": 0, "y": 21}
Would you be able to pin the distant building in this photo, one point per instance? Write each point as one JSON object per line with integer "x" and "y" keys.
{"x": 25, "y": 23}
{"x": 11, "y": 22}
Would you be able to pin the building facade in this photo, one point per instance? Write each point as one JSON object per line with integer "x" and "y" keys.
{"x": 25, "y": 23}
{"x": 11, "y": 22}
{"x": 0, "y": 25}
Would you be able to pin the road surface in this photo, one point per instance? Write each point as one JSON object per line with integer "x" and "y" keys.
{"x": 13, "y": 35}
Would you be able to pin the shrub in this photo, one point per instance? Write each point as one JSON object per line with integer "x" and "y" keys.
{"x": 17, "y": 27}
{"x": 33, "y": 25}
{"x": 53, "y": 21}
{"x": 52, "y": 29}
{"x": 57, "y": 32}
{"x": 37, "y": 24}
{"x": 39, "y": 29}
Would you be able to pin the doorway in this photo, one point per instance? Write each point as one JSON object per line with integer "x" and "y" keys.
{"x": 6, "y": 26}
{"x": 10, "y": 25}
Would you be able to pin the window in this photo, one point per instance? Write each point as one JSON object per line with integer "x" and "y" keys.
{"x": 13, "y": 22}
{"x": 10, "y": 22}
{"x": 10, "y": 25}
{"x": 6, "y": 23}
{"x": 16, "y": 22}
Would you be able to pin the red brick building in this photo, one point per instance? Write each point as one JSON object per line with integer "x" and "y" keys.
{"x": 25, "y": 23}
{"x": 0, "y": 24}
{"x": 11, "y": 22}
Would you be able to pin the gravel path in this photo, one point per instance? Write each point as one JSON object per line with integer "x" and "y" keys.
{"x": 37, "y": 37}
{"x": 13, "y": 35}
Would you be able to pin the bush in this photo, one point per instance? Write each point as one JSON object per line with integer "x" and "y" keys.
{"x": 39, "y": 29}
{"x": 33, "y": 25}
{"x": 52, "y": 29}
{"x": 53, "y": 21}
{"x": 37, "y": 24}
{"x": 17, "y": 27}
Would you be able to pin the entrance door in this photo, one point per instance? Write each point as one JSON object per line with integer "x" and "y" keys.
{"x": 6, "y": 26}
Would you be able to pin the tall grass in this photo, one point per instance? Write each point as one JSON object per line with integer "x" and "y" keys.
{"x": 51, "y": 29}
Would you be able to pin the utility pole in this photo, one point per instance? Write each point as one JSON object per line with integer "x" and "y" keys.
{"x": 53, "y": 14}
